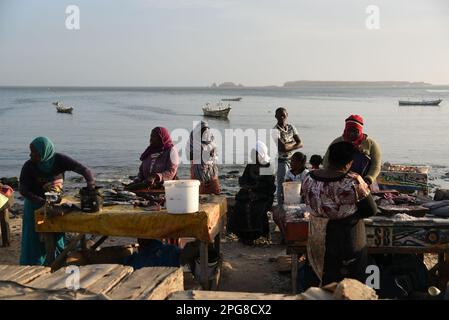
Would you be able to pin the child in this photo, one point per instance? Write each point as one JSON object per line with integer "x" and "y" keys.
{"x": 298, "y": 169}
{"x": 297, "y": 172}
{"x": 315, "y": 161}
{"x": 288, "y": 141}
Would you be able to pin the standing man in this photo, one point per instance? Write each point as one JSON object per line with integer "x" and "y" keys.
{"x": 288, "y": 141}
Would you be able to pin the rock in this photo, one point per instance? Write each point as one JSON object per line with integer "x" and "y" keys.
{"x": 350, "y": 289}
{"x": 441, "y": 194}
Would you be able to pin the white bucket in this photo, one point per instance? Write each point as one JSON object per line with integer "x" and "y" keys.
{"x": 182, "y": 196}
{"x": 292, "y": 192}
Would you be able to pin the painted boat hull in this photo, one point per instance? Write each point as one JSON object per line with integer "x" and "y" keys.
{"x": 420, "y": 103}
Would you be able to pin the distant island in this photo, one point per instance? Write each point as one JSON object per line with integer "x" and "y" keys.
{"x": 227, "y": 85}
{"x": 308, "y": 83}
{"x": 312, "y": 83}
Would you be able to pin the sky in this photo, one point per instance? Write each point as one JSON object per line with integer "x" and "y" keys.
{"x": 198, "y": 42}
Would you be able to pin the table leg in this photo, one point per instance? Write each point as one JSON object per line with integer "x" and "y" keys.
{"x": 56, "y": 264}
{"x": 204, "y": 259}
{"x": 217, "y": 241}
{"x": 294, "y": 272}
{"x": 50, "y": 247}
{"x": 98, "y": 243}
{"x": 441, "y": 258}
{"x": 83, "y": 243}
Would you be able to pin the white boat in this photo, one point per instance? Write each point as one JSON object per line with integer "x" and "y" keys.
{"x": 420, "y": 103}
{"x": 62, "y": 109}
{"x": 219, "y": 111}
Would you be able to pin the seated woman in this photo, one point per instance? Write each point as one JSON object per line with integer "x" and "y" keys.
{"x": 159, "y": 161}
{"x": 339, "y": 199}
{"x": 6, "y": 201}
{"x": 298, "y": 172}
{"x": 43, "y": 172}
{"x": 249, "y": 220}
{"x": 202, "y": 153}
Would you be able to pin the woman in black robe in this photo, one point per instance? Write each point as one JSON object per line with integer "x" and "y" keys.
{"x": 249, "y": 220}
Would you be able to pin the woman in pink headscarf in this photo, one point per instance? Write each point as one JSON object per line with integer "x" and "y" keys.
{"x": 367, "y": 160}
{"x": 159, "y": 160}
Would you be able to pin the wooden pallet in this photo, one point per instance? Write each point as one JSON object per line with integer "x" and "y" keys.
{"x": 108, "y": 281}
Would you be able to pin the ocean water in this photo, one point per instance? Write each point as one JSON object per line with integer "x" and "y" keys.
{"x": 110, "y": 127}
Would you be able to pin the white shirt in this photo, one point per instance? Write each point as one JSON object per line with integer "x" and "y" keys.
{"x": 290, "y": 176}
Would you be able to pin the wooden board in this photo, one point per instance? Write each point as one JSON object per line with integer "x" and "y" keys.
{"x": 152, "y": 283}
{"x": 226, "y": 295}
{"x": 97, "y": 278}
{"x": 14, "y": 291}
{"x": 22, "y": 274}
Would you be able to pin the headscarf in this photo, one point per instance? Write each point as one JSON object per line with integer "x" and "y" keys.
{"x": 354, "y": 121}
{"x": 199, "y": 143}
{"x": 46, "y": 149}
{"x": 262, "y": 153}
{"x": 167, "y": 143}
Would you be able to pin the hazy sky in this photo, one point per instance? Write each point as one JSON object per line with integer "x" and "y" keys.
{"x": 197, "y": 42}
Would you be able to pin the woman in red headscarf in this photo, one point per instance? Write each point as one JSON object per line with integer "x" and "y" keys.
{"x": 159, "y": 160}
{"x": 367, "y": 161}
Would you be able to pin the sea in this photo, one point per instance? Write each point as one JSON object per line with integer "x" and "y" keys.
{"x": 110, "y": 127}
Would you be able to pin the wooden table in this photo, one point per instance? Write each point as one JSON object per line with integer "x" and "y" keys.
{"x": 128, "y": 221}
{"x": 385, "y": 235}
{"x": 97, "y": 281}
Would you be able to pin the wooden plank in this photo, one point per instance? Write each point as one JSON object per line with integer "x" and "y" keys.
{"x": 22, "y": 274}
{"x": 59, "y": 260}
{"x": 226, "y": 295}
{"x": 109, "y": 280}
{"x": 152, "y": 283}
{"x": 89, "y": 275}
{"x": 14, "y": 291}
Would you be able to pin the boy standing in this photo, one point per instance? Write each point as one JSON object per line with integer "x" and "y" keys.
{"x": 288, "y": 141}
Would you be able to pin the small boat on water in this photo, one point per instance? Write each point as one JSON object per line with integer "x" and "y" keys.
{"x": 219, "y": 111}
{"x": 420, "y": 103}
{"x": 62, "y": 109}
{"x": 232, "y": 99}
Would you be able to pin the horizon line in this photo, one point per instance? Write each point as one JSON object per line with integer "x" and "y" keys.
{"x": 237, "y": 86}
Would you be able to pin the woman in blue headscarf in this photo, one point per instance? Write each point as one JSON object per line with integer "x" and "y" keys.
{"x": 43, "y": 172}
